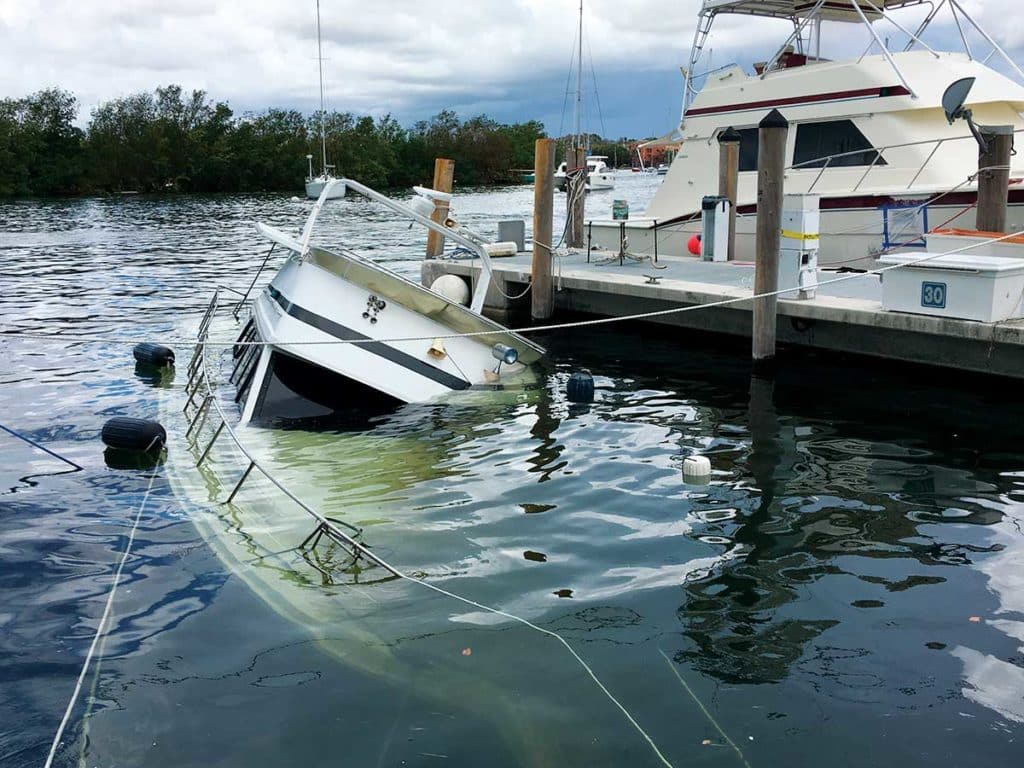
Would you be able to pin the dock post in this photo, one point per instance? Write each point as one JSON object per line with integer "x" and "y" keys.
{"x": 575, "y": 196}
{"x": 771, "y": 171}
{"x": 994, "y": 177}
{"x": 542, "y": 296}
{"x": 729, "y": 178}
{"x": 444, "y": 173}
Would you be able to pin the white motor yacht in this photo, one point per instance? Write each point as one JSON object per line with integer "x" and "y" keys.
{"x": 868, "y": 134}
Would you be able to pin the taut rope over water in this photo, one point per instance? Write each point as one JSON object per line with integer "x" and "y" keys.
{"x": 101, "y": 627}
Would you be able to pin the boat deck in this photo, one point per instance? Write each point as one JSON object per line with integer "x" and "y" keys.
{"x": 845, "y": 316}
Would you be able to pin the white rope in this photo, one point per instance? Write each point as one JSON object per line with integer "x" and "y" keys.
{"x": 704, "y": 709}
{"x": 101, "y": 627}
{"x": 363, "y": 550}
{"x": 526, "y": 290}
{"x": 533, "y": 328}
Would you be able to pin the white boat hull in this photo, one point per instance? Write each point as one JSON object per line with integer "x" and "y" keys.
{"x": 850, "y": 237}
{"x": 311, "y": 313}
{"x": 315, "y": 186}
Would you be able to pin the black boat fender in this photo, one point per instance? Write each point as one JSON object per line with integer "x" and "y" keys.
{"x": 153, "y": 354}
{"x": 131, "y": 434}
{"x": 580, "y": 388}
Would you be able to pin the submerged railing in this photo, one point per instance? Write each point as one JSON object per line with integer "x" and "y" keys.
{"x": 201, "y": 383}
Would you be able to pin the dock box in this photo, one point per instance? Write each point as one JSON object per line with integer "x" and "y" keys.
{"x": 980, "y": 243}
{"x": 984, "y": 288}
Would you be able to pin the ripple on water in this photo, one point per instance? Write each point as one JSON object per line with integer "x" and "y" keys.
{"x": 819, "y": 593}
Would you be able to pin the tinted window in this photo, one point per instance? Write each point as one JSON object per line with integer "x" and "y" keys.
{"x": 748, "y": 149}
{"x": 816, "y": 141}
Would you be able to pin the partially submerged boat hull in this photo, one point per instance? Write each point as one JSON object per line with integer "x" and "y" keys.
{"x": 350, "y": 319}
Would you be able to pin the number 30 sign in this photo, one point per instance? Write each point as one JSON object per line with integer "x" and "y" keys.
{"x": 933, "y": 295}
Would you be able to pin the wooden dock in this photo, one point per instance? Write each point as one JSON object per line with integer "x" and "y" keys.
{"x": 844, "y": 317}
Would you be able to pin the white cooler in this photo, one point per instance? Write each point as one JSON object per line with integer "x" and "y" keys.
{"x": 984, "y": 288}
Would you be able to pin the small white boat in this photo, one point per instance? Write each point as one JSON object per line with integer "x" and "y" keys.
{"x": 315, "y": 183}
{"x": 342, "y": 333}
{"x": 599, "y": 175}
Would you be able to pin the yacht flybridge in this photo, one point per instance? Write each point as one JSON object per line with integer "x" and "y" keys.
{"x": 867, "y": 130}
{"x": 335, "y": 333}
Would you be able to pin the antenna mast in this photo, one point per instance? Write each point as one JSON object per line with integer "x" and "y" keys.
{"x": 320, "y": 62}
{"x": 579, "y": 80}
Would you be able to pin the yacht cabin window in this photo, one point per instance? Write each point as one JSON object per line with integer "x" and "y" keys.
{"x": 748, "y": 149}
{"x": 815, "y": 142}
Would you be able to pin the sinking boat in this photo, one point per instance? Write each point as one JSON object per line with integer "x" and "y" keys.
{"x": 867, "y": 133}
{"x": 334, "y": 331}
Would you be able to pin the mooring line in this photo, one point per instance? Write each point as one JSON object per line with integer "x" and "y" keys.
{"x": 704, "y": 709}
{"x": 362, "y": 549}
{"x": 101, "y": 627}
{"x": 42, "y": 448}
{"x": 533, "y": 328}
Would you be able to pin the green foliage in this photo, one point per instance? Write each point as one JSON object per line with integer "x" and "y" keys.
{"x": 40, "y": 147}
{"x": 170, "y": 140}
{"x": 616, "y": 151}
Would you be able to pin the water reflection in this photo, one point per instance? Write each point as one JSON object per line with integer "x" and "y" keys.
{"x": 851, "y": 573}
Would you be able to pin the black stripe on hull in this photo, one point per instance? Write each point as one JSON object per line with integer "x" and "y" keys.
{"x": 378, "y": 348}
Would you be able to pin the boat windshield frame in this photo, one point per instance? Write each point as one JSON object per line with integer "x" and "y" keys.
{"x": 455, "y": 233}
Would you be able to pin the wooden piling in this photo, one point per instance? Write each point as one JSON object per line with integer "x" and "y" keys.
{"x": 444, "y": 174}
{"x": 994, "y": 180}
{"x": 729, "y": 178}
{"x": 771, "y": 170}
{"x": 575, "y": 196}
{"x": 542, "y": 295}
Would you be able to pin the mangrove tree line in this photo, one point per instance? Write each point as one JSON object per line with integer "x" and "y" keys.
{"x": 171, "y": 140}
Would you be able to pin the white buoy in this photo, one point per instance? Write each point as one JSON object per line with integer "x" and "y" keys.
{"x": 296, "y": 199}
{"x": 501, "y": 249}
{"x": 696, "y": 469}
{"x": 453, "y": 288}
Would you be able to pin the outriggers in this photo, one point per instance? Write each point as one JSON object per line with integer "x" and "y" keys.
{"x": 334, "y": 332}
{"x": 867, "y": 134}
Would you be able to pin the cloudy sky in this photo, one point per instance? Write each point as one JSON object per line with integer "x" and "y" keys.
{"x": 507, "y": 58}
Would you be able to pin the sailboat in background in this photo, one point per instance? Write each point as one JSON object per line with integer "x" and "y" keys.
{"x": 315, "y": 184}
{"x": 599, "y": 175}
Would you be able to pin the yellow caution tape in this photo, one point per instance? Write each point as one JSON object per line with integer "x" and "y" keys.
{"x": 799, "y": 235}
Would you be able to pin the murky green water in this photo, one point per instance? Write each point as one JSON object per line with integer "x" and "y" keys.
{"x": 849, "y": 587}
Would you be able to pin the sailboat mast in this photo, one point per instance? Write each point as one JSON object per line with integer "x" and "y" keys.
{"x": 579, "y": 80}
{"x": 320, "y": 62}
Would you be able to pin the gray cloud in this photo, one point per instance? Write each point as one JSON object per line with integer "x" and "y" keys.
{"x": 509, "y": 57}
